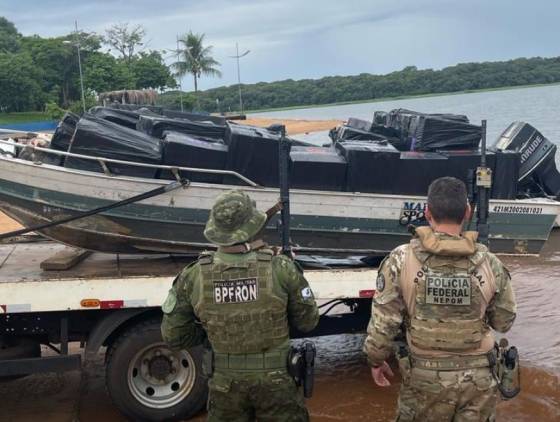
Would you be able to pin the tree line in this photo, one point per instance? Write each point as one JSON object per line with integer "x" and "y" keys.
{"x": 365, "y": 86}
{"x": 38, "y": 73}
{"x": 42, "y": 73}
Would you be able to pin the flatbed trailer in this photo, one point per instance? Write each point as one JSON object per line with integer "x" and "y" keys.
{"x": 111, "y": 304}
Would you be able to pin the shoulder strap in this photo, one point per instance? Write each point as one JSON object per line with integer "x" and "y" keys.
{"x": 206, "y": 258}
{"x": 412, "y": 268}
{"x": 486, "y": 280}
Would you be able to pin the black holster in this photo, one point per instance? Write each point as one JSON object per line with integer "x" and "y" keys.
{"x": 301, "y": 366}
{"x": 504, "y": 364}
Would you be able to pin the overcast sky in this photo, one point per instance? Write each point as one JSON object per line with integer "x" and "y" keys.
{"x": 297, "y": 39}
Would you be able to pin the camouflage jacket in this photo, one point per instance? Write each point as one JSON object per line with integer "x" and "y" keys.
{"x": 182, "y": 329}
{"x": 389, "y": 311}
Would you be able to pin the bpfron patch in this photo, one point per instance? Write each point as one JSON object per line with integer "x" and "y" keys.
{"x": 240, "y": 290}
{"x": 380, "y": 284}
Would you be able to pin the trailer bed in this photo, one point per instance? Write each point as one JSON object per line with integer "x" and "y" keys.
{"x": 107, "y": 281}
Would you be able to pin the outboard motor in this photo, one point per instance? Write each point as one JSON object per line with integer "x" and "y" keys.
{"x": 537, "y": 164}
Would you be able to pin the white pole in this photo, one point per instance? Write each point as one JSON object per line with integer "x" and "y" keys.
{"x": 80, "y": 67}
{"x": 180, "y": 86}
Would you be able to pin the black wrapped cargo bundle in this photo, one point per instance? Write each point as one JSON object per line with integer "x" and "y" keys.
{"x": 317, "y": 168}
{"x": 64, "y": 131}
{"x": 253, "y": 152}
{"x": 156, "y": 126}
{"x": 347, "y": 133}
{"x": 371, "y": 166}
{"x": 430, "y": 132}
{"x": 380, "y": 168}
{"x": 106, "y": 139}
{"x": 185, "y": 151}
{"x": 194, "y": 117}
{"x": 126, "y": 118}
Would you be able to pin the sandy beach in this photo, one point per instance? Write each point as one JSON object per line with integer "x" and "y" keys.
{"x": 294, "y": 126}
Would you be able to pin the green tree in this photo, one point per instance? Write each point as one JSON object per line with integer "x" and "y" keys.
{"x": 124, "y": 39}
{"x": 150, "y": 71}
{"x": 9, "y": 36}
{"x": 19, "y": 89}
{"x": 195, "y": 58}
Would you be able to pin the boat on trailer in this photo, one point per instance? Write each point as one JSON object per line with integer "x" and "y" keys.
{"x": 322, "y": 222}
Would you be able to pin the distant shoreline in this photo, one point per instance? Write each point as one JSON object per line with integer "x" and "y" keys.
{"x": 402, "y": 97}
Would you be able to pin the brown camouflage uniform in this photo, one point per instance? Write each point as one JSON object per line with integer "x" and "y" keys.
{"x": 438, "y": 384}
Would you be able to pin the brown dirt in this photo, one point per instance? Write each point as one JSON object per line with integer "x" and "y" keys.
{"x": 7, "y": 224}
{"x": 294, "y": 126}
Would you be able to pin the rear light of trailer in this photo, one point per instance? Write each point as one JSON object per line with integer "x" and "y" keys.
{"x": 90, "y": 303}
{"x": 366, "y": 293}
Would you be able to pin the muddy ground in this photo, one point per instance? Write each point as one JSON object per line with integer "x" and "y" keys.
{"x": 344, "y": 392}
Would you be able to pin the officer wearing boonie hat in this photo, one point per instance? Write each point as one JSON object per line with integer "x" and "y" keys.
{"x": 246, "y": 299}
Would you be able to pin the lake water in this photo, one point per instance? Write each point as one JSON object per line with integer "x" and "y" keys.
{"x": 539, "y": 106}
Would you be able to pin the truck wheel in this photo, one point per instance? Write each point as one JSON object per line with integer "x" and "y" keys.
{"x": 147, "y": 381}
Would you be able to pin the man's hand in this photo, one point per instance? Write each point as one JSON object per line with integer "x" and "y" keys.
{"x": 379, "y": 374}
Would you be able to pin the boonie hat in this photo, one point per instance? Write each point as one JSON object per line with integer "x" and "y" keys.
{"x": 234, "y": 219}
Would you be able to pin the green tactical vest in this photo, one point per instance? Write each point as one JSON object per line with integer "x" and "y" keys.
{"x": 239, "y": 305}
{"x": 447, "y": 297}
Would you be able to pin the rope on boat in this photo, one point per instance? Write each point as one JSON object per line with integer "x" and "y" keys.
{"x": 150, "y": 194}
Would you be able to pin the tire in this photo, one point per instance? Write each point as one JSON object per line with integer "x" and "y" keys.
{"x": 18, "y": 348}
{"x": 149, "y": 382}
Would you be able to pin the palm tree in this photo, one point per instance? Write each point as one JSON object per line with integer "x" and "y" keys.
{"x": 195, "y": 59}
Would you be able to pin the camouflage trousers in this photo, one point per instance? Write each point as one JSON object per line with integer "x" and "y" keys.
{"x": 457, "y": 396}
{"x": 237, "y": 396}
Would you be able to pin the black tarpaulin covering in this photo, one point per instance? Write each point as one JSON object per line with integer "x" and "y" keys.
{"x": 429, "y": 132}
{"x": 156, "y": 126}
{"x": 253, "y": 152}
{"x": 106, "y": 139}
{"x": 194, "y": 117}
{"x": 380, "y": 118}
{"x": 125, "y": 118}
{"x": 359, "y": 124}
{"x": 416, "y": 170}
{"x": 346, "y": 133}
{"x": 185, "y": 151}
{"x": 371, "y": 166}
{"x": 317, "y": 168}
{"x": 506, "y": 175}
{"x": 64, "y": 132}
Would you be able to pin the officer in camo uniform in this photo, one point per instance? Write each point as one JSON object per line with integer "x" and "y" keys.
{"x": 245, "y": 298}
{"x": 448, "y": 292}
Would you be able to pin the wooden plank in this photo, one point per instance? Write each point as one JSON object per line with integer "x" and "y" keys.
{"x": 64, "y": 259}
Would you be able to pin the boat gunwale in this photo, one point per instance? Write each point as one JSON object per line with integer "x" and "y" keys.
{"x": 262, "y": 189}
{"x": 34, "y": 148}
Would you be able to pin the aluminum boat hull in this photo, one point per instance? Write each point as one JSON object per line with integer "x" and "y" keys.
{"x": 322, "y": 222}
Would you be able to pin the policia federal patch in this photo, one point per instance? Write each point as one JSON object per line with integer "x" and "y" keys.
{"x": 454, "y": 291}
{"x": 240, "y": 290}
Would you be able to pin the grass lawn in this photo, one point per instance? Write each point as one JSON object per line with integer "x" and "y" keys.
{"x": 24, "y": 117}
